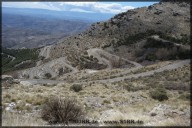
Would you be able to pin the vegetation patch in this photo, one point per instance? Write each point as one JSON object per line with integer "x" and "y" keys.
{"x": 153, "y": 43}
{"x": 76, "y": 87}
{"x": 48, "y": 75}
{"x": 20, "y": 55}
{"x": 61, "y": 110}
{"x": 159, "y": 94}
{"x": 185, "y": 96}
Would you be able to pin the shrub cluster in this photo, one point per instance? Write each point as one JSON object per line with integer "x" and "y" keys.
{"x": 153, "y": 43}
{"x": 159, "y": 94}
{"x": 59, "y": 110}
{"x": 76, "y": 87}
{"x": 48, "y": 75}
{"x": 89, "y": 62}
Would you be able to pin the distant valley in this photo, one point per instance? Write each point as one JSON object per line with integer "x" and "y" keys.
{"x": 31, "y": 28}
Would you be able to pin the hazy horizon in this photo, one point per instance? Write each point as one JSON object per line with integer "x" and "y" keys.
{"x": 86, "y": 7}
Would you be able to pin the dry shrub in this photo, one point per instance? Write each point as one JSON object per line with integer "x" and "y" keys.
{"x": 61, "y": 110}
{"x": 115, "y": 62}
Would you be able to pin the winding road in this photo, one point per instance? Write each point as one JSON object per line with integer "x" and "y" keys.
{"x": 168, "y": 67}
{"x": 148, "y": 73}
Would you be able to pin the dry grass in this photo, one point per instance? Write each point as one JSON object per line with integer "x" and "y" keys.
{"x": 113, "y": 73}
{"x": 136, "y": 103}
{"x": 20, "y": 119}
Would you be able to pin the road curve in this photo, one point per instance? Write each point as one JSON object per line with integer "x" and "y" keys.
{"x": 148, "y": 73}
{"x": 143, "y": 74}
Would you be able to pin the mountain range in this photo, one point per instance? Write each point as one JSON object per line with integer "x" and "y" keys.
{"x": 31, "y": 28}
{"x": 143, "y": 35}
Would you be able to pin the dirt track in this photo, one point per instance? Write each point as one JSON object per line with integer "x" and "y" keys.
{"x": 148, "y": 73}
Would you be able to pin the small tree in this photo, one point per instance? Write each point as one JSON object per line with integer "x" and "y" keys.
{"x": 59, "y": 110}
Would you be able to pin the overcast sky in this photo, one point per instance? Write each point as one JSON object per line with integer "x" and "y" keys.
{"x": 89, "y": 7}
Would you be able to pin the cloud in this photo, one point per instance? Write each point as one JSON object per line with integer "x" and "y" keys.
{"x": 79, "y": 4}
{"x": 89, "y": 7}
{"x": 39, "y": 5}
{"x": 111, "y": 8}
{"x": 100, "y": 7}
{"x": 80, "y": 10}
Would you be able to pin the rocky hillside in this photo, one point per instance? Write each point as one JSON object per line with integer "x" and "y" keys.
{"x": 145, "y": 35}
{"x": 134, "y": 66}
{"x": 170, "y": 19}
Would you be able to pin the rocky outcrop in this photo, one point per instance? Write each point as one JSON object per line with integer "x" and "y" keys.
{"x": 45, "y": 52}
{"x": 161, "y": 110}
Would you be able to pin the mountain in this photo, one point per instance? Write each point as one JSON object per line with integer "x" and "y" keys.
{"x": 121, "y": 34}
{"x": 135, "y": 65}
{"x": 31, "y": 30}
{"x": 144, "y": 35}
{"x": 62, "y": 15}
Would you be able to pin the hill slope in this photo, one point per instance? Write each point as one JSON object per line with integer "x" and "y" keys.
{"x": 125, "y": 33}
{"x": 145, "y": 35}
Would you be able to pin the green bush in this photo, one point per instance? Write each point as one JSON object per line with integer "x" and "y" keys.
{"x": 159, "y": 94}
{"x": 153, "y": 43}
{"x": 76, "y": 87}
{"x": 131, "y": 39}
{"x": 128, "y": 87}
{"x": 183, "y": 40}
{"x": 151, "y": 57}
{"x": 106, "y": 102}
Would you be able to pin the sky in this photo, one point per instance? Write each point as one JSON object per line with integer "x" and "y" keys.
{"x": 88, "y": 7}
